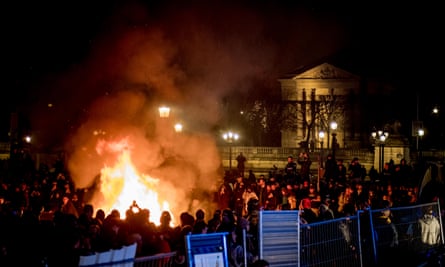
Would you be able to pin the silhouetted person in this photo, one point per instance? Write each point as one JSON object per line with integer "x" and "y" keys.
{"x": 290, "y": 171}
{"x": 305, "y": 166}
{"x": 241, "y": 163}
{"x": 331, "y": 169}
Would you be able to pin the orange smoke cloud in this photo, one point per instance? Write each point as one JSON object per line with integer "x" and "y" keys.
{"x": 184, "y": 163}
{"x": 189, "y": 58}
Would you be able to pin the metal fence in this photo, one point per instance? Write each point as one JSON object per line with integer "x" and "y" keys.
{"x": 122, "y": 257}
{"x": 158, "y": 260}
{"x": 284, "y": 241}
{"x": 335, "y": 242}
{"x": 365, "y": 239}
{"x": 411, "y": 232}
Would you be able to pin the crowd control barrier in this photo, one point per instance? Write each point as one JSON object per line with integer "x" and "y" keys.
{"x": 361, "y": 240}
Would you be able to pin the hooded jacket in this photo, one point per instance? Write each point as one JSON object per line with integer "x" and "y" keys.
{"x": 429, "y": 229}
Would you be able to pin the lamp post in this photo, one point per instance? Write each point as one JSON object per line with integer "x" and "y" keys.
{"x": 420, "y": 133}
{"x": 178, "y": 127}
{"x": 320, "y": 163}
{"x": 334, "y": 126}
{"x": 321, "y": 138}
{"x": 230, "y": 137}
{"x": 164, "y": 112}
{"x": 380, "y": 137}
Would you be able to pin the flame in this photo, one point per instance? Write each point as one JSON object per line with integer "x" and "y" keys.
{"x": 122, "y": 185}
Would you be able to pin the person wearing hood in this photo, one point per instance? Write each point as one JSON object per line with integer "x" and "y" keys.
{"x": 429, "y": 228}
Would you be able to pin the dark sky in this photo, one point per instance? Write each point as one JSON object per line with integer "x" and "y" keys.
{"x": 106, "y": 65}
{"x": 70, "y": 53}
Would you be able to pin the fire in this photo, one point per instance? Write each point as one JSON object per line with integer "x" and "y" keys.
{"x": 121, "y": 186}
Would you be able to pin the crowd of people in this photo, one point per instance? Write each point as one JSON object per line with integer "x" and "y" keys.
{"x": 30, "y": 238}
{"x": 341, "y": 186}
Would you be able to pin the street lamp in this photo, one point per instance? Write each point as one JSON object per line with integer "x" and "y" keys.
{"x": 164, "y": 112}
{"x": 178, "y": 127}
{"x": 435, "y": 110}
{"x": 420, "y": 133}
{"x": 321, "y": 138}
{"x": 334, "y": 126}
{"x": 230, "y": 137}
{"x": 380, "y": 137}
{"x": 320, "y": 164}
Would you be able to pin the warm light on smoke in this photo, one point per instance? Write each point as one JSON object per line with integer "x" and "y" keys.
{"x": 121, "y": 185}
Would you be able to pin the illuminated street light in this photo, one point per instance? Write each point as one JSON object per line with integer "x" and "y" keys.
{"x": 333, "y": 127}
{"x": 380, "y": 138}
{"x": 320, "y": 163}
{"x": 321, "y": 138}
{"x": 178, "y": 127}
{"x": 164, "y": 112}
{"x": 230, "y": 137}
{"x": 420, "y": 134}
{"x": 99, "y": 132}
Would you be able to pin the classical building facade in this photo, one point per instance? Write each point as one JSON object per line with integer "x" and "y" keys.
{"x": 317, "y": 96}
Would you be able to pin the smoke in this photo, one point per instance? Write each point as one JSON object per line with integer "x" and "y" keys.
{"x": 187, "y": 57}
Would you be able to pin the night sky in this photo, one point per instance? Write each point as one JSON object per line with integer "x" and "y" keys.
{"x": 72, "y": 53}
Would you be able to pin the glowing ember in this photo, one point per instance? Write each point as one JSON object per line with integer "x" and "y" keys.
{"x": 121, "y": 186}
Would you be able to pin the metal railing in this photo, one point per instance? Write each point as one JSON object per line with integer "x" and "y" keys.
{"x": 414, "y": 230}
{"x": 334, "y": 242}
{"x": 359, "y": 240}
{"x": 158, "y": 260}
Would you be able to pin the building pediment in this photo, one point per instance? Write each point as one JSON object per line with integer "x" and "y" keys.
{"x": 325, "y": 71}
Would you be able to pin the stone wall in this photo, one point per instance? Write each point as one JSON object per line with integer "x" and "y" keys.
{"x": 261, "y": 160}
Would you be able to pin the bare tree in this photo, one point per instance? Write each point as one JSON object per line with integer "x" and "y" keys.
{"x": 262, "y": 117}
{"x": 312, "y": 111}
{"x": 309, "y": 113}
{"x": 331, "y": 108}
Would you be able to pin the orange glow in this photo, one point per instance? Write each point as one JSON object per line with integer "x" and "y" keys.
{"x": 121, "y": 185}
